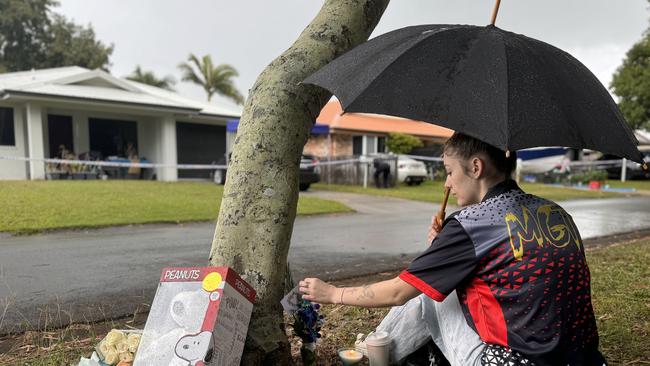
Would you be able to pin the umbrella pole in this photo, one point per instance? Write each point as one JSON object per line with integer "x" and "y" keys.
{"x": 495, "y": 11}
{"x": 441, "y": 214}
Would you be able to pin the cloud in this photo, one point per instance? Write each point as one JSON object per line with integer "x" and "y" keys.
{"x": 602, "y": 60}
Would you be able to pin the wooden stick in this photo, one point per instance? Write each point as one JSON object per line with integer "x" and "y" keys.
{"x": 441, "y": 214}
{"x": 495, "y": 12}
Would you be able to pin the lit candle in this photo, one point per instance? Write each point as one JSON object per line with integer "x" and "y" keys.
{"x": 350, "y": 356}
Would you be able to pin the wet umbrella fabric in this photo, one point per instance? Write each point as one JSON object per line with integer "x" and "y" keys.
{"x": 506, "y": 89}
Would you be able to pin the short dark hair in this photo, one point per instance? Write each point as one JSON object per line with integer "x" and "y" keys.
{"x": 466, "y": 146}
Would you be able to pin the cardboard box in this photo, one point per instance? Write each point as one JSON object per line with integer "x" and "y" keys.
{"x": 199, "y": 317}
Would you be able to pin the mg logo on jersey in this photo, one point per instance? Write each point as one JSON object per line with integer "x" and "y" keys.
{"x": 549, "y": 225}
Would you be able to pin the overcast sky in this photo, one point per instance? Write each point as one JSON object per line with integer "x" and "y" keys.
{"x": 248, "y": 34}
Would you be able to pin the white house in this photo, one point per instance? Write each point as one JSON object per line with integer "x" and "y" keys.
{"x": 91, "y": 110}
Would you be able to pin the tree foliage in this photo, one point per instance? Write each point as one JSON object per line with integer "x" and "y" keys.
{"x": 631, "y": 83}
{"x": 148, "y": 77}
{"x": 400, "y": 143}
{"x": 213, "y": 79}
{"x": 33, "y": 37}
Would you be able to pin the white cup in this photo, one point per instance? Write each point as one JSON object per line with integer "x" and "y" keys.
{"x": 378, "y": 344}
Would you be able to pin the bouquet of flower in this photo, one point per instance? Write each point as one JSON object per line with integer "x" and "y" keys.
{"x": 118, "y": 347}
{"x": 307, "y": 324}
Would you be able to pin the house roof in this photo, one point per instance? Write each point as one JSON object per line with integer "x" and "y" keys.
{"x": 332, "y": 115}
{"x": 82, "y": 84}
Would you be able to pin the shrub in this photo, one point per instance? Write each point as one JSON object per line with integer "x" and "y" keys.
{"x": 400, "y": 143}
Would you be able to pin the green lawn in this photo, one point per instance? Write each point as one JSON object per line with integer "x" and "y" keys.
{"x": 432, "y": 191}
{"x": 637, "y": 184}
{"x": 36, "y": 206}
{"x": 621, "y": 297}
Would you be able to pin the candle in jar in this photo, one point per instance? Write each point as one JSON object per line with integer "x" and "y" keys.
{"x": 350, "y": 356}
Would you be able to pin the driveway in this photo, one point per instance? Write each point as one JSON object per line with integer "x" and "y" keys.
{"x": 104, "y": 273}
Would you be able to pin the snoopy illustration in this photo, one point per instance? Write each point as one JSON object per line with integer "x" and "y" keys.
{"x": 195, "y": 348}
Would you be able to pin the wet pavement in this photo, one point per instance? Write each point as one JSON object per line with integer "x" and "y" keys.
{"x": 105, "y": 273}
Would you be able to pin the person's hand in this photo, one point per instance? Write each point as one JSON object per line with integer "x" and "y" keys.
{"x": 315, "y": 290}
{"x": 434, "y": 229}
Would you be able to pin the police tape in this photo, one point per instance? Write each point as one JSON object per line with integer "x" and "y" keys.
{"x": 330, "y": 162}
{"x": 601, "y": 163}
{"x": 97, "y": 163}
{"x": 425, "y": 158}
{"x": 102, "y": 163}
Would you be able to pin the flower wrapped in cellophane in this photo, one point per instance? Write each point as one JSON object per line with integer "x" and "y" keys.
{"x": 307, "y": 323}
{"x": 118, "y": 347}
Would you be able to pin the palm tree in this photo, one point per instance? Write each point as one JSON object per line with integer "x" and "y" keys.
{"x": 213, "y": 79}
{"x": 147, "y": 77}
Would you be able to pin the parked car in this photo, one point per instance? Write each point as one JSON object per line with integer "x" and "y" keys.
{"x": 633, "y": 171}
{"x": 309, "y": 172}
{"x": 410, "y": 171}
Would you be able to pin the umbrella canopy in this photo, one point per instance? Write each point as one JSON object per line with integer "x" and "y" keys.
{"x": 506, "y": 89}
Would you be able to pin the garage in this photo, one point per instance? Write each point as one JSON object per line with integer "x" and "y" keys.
{"x": 199, "y": 144}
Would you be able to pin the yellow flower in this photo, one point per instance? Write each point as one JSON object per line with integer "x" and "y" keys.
{"x": 111, "y": 357}
{"x": 114, "y": 337}
{"x": 133, "y": 340}
{"x": 122, "y": 346}
{"x": 126, "y": 357}
{"x": 105, "y": 348}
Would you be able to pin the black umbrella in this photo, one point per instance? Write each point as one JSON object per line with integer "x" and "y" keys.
{"x": 506, "y": 89}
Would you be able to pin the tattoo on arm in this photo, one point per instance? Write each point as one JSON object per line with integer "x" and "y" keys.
{"x": 366, "y": 293}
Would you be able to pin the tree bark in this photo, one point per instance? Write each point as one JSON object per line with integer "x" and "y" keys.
{"x": 259, "y": 202}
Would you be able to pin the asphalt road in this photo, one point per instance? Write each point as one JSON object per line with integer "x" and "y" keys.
{"x": 97, "y": 274}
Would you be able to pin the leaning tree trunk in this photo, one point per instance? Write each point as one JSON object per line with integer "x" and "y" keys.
{"x": 259, "y": 201}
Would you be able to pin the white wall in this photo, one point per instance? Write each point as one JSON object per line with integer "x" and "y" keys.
{"x": 35, "y": 139}
{"x": 149, "y": 140}
{"x": 80, "y": 138}
{"x": 168, "y": 151}
{"x": 12, "y": 169}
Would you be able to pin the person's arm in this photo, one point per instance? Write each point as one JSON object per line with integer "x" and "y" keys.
{"x": 391, "y": 292}
{"x": 434, "y": 229}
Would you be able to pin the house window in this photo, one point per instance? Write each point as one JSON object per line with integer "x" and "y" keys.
{"x": 7, "y": 133}
{"x": 112, "y": 137}
{"x": 371, "y": 145}
{"x": 357, "y": 145}
{"x": 381, "y": 144}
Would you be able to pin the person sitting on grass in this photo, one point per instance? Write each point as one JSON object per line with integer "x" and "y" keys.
{"x": 505, "y": 278}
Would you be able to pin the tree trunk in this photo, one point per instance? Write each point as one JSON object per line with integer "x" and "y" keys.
{"x": 261, "y": 193}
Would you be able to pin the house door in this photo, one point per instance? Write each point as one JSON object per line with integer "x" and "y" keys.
{"x": 59, "y": 134}
{"x": 199, "y": 144}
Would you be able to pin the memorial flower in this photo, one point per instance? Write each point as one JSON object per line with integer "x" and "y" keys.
{"x": 307, "y": 323}
{"x": 118, "y": 347}
{"x": 114, "y": 337}
{"x": 133, "y": 341}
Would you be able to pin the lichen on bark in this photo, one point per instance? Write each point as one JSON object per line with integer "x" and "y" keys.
{"x": 260, "y": 197}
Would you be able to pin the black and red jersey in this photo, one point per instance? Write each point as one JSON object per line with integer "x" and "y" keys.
{"x": 518, "y": 265}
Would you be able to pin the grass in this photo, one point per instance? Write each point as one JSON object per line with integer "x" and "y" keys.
{"x": 621, "y": 298}
{"x": 33, "y": 206}
{"x": 643, "y": 185}
{"x": 432, "y": 191}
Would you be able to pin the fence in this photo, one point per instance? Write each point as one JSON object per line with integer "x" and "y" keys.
{"x": 354, "y": 170}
